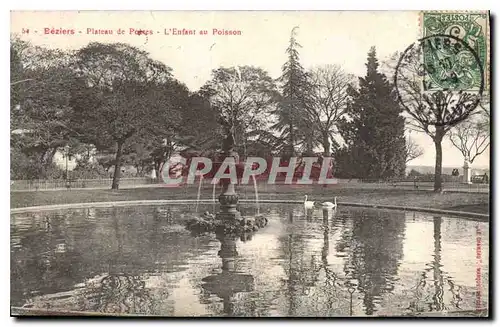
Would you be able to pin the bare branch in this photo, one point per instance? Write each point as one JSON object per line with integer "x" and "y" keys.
{"x": 470, "y": 138}
{"x": 413, "y": 150}
{"x": 329, "y": 98}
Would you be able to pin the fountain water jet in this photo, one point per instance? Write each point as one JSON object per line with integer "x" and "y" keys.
{"x": 214, "y": 185}
{"x": 256, "y": 194}
{"x": 199, "y": 191}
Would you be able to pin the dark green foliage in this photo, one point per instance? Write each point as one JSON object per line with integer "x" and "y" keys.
{"x": 40, "y": 107}
{"x": 374, "y": 131}
{"x": 125, "y": 97}
{"x": 293, "y": 120}
{"x": 111, "y": 105}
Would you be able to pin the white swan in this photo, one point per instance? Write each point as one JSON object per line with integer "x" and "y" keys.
{"x": 330, "y": 204}
{"x": 308, "y": 204}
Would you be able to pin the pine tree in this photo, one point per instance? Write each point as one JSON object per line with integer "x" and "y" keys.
{"x": 291, "y": 112}
{"x": 374, "y": 134}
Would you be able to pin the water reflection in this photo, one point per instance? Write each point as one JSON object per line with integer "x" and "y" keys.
{"x": 435, "y": 266}
{"x": 99, "y": 268}
{"x": 304, "y": 263}
{"x": 375, "y": 251}
{"x": 430, "y": 290}
{"x": 228, "y": 282}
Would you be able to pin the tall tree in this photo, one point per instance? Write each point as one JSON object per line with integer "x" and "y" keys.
{"x": 194, "y": 127}
{"x": 374, "y": 130}
{"x": 471, "y": 138}
{"x": 200, "y": 129}
{"x": 162, "y": 135}
{"x": 436, "y": 112}
{"x": 244, "y": 97}
{"x": 329, "y": 99}
{"x": 123, "y": 92}
{"x": 292, "y": 113}
{"x": 40, "y": 104}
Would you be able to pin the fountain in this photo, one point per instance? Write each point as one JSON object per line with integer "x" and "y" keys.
{"x": 228, "y": 220}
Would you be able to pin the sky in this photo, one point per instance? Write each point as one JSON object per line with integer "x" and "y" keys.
{"x": 327, "y": 37}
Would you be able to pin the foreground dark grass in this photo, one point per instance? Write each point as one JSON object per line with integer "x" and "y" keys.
{"x": 470, "y": 202}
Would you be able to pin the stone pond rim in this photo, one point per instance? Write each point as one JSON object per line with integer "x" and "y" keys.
{"x": 132, "y": 203}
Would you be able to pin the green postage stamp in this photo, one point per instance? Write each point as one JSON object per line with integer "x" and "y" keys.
{"x": 456, "y": 50}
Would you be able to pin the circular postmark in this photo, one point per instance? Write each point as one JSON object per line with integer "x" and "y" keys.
{"x": 439, "y": 79}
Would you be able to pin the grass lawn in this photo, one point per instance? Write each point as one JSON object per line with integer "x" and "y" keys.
{"x": 470, "y": 202}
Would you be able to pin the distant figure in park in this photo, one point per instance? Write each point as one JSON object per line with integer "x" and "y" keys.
{"x": 485, "y": 178}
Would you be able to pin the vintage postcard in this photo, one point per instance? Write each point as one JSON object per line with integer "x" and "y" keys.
{"x": 250, "y": 163}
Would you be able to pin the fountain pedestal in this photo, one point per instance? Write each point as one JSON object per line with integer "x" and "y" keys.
{"x": 228, "y": 201}
{"x": 228, "y": 198}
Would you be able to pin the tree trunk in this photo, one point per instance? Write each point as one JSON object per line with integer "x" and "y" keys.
{"x": 326, "y": 146}
{"x": 118, "y": 166}
{"x": 310, "y": 146}
{"x": 50, "y": 157}
{"x": 438, "y": 138}
{"x": 159, "y": 178}
{"x": 292, "y": 141}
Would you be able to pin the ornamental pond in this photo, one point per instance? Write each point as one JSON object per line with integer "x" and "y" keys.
{"x": 346, "y": 262}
